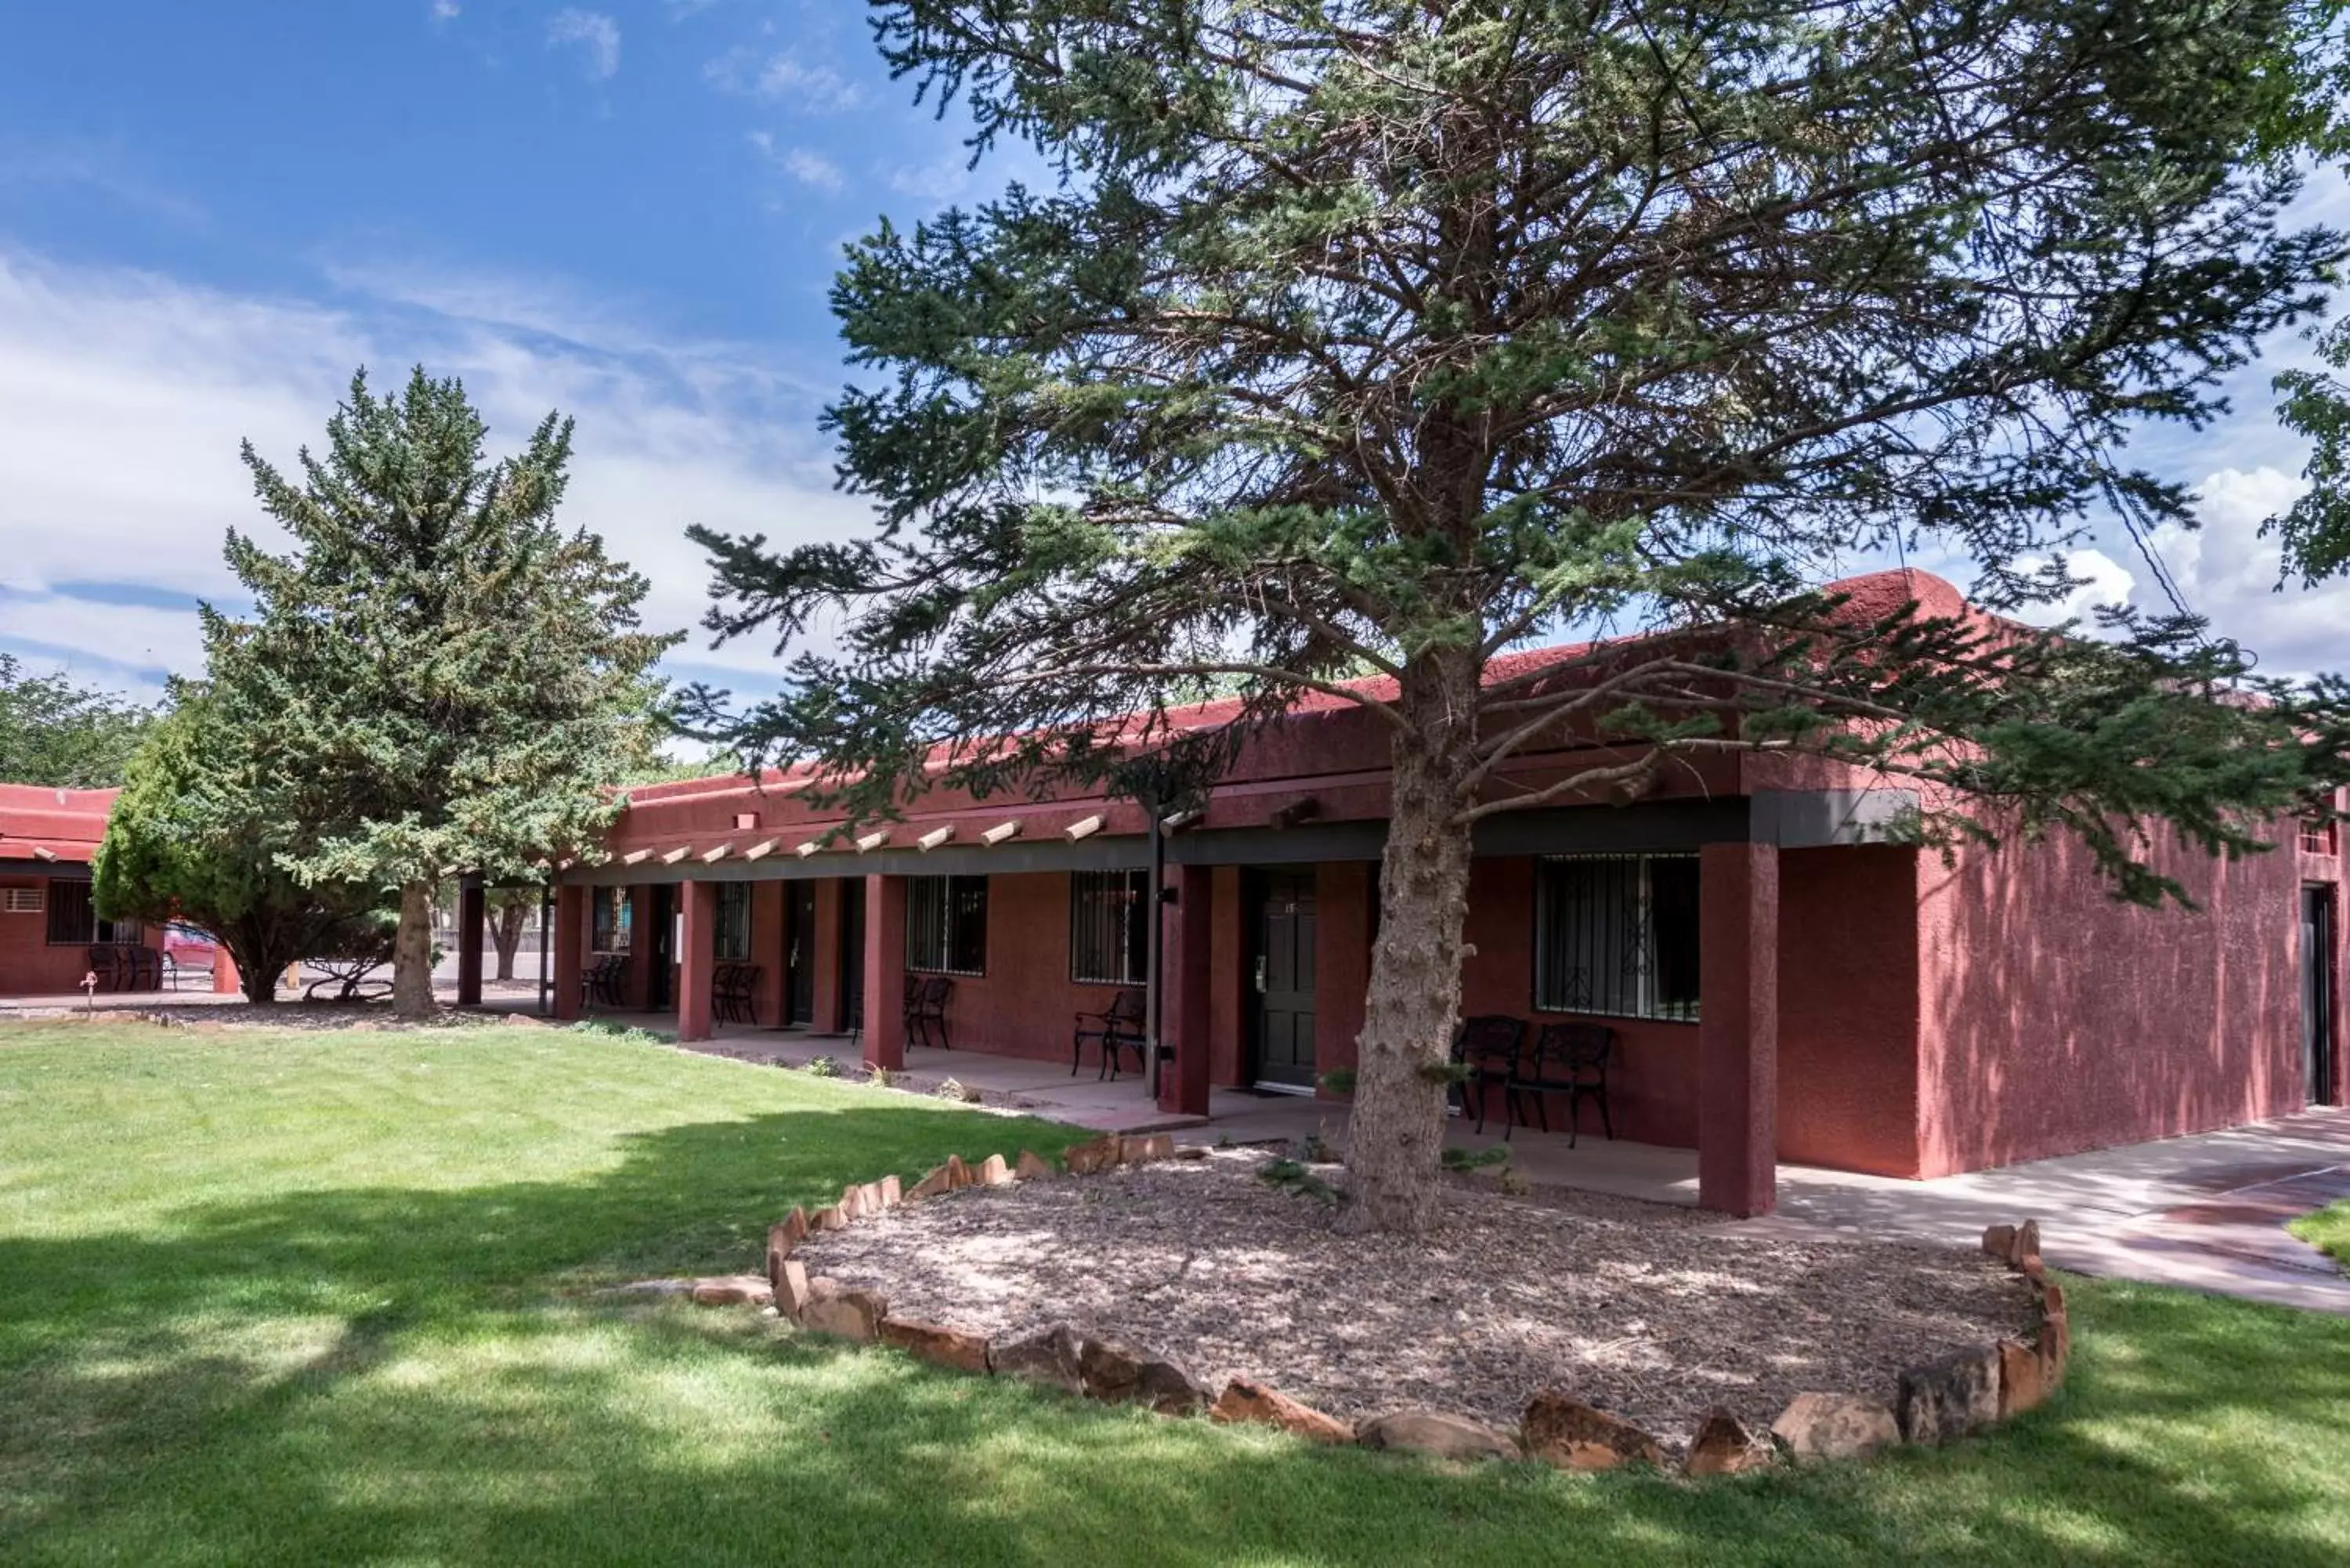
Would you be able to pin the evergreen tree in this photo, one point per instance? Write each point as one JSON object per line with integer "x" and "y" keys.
{"x": 461, "y": 683}
{"x": 201, "y": 832}
{"x": 55, "y": 733}
{"x": 1387, "y": 335}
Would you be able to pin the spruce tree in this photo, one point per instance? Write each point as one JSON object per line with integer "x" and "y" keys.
{"x": 462, "y": 684}
{"x": 203, "y": 832}
{"x": 1383, "y": 336}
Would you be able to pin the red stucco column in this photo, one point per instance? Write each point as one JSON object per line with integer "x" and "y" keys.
{"x": 1187, "y": 972}
{"x": 771, "y": 940}
{"x": 885, "y": 971}
{"x": 570, "y": 948}
{"x": 1738, "y": 1032}
{"x": 827, "y": 1015}
{"x": 225, "y": 982}
{"x": 473, "y": 925}
{"x": 696, "y": 957}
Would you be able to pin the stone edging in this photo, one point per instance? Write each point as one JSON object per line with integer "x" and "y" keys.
{"x": 1938, "y": 1402}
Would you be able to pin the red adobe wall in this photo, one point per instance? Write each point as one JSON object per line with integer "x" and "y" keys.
{"x": 28, "y": 965}
{"x": 1848, "y": 1009}
{"x": 1651, "y": 1083}
{"x": 1025, "y": 1005}
{"x": 2055, "y": 1019}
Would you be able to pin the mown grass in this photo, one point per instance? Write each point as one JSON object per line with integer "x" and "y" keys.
{"x": 295, "y": 1299}
{"x": 2328, "y": 1231}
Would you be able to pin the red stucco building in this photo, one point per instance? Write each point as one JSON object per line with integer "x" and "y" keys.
{"x": 48, "y": 928}
{"x": 1782, "y": 988}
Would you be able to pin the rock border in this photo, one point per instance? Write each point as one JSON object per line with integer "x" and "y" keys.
{"x": 1939, "y": 1402}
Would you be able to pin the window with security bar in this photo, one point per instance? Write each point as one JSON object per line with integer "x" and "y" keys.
{"x": 946, "y": 925}
{"x": 73, "y": 922}
{"x": 1109, "y": 926}
{"x": 1616, "y": 934}
{"x": 730, "y": 939}
{"x": 609, "y": 920}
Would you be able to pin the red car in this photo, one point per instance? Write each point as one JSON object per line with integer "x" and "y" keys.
{"x": 188, "y": 952}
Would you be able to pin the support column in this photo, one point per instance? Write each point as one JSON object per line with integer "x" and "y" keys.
{"x": 696, "y": 957}
{"x": 1190, "y": 1005}
{"x": 831, "y": 1014}
{"x": 472, "y": 923}
{"x": 885, "y": 971}
{"x": 771, "y": 949}
{"x": 1738, "y": 1032}
{"x": 570, "y": 948}
{"x": 225, "y": 980}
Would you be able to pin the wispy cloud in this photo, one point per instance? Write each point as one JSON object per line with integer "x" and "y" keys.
{"x": 104, "y": 170}
{"x": 104, "y": 555}
{"x": 809, "y": 88}
{"x": 804, "y": 164}
{"x": 940, "y": 182}
{"x": 594, "y": 33}
{"x": 444, "y": 10}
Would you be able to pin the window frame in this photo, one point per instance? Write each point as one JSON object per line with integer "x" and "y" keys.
{"x": 1130, "y": 933}
{"x": 97, "y": 932}
{"x": 1648, "y": 966}
{"x": 958, "y": 927}
{"x": 621, "y": 925}
{"x": 737, "y": 894}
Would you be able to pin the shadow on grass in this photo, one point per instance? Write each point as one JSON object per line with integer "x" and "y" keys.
{"x": 378, "y": 1375}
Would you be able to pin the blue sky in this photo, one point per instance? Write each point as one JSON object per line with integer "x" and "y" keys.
{"x": 209, "y": 214}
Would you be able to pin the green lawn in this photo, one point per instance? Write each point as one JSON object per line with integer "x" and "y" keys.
{"x": 2328, "y": 1231}
{"x": 325, "y": 1298}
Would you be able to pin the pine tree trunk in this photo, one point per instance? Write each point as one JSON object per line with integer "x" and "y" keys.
{"x": 506, "y": 932}
{"x": 1395, "y": 1136}
{"x": 411, "y": 954}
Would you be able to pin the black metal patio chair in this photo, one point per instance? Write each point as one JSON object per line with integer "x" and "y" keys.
{"x": 1117, "y": 1027}
{"x": 1568, "y": 1059}
{"x": 927, "y": 1005}
{"x": 734, "y": 992}
{"x": 1485, "y": 1053}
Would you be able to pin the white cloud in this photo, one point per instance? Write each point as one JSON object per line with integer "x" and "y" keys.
{"x": 125, "y": 396}
{"x": 2104, "y": 581}
{"x": 938, "y": 182}
{"x": 2227, "y": 571}
{"x": 804, "y": 164}
{"x": 444, "y": 10}
{"x": 809, "y": 88}
{"x": 596, "y": 33}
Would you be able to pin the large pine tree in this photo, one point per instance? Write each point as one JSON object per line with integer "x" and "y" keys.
{"x": 1381, "y": 335}
{"x": 461, "y": 683}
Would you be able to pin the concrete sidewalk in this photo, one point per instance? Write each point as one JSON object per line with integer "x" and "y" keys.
{"x": 2206, "y": 1212}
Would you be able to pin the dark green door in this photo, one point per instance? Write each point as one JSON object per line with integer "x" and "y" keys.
{"x": 2317, "y": 995}
{"x": 799, "y": 953}
{"x": 661, "y": 947}
{"x": 1281, "y": 973}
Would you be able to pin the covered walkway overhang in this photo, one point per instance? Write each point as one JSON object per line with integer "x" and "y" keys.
{"x": 851, "y": 910}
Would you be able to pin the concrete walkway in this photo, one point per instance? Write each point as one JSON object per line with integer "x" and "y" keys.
{"x": 2206, "y": 1212}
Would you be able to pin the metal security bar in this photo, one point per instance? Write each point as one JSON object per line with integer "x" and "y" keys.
{"x": 946, "y": 925}
{"x": 1616, "y": 934}
{"x": 1109, "y": 936}
{"x": 731, "y": 940}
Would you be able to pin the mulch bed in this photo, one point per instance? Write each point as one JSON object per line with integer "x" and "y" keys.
{"x": 1654, "y": 1314}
